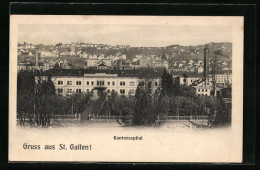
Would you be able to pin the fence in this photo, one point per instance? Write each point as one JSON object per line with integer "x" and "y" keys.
{"x": 192, "y": 117}
{"x": 168, "y": 118}
{"x": 67, "y": 117}
{"x": 113, "y": 117}
{"x": 99, "y": 117}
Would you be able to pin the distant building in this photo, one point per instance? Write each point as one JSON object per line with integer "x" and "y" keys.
{"x": 102, "y": 66}
{"x": 206, "y": 86}
{"x": 46, "y": 66}
{"x": 223, "y": 79}
{"x": 160, "y": 64}
{"x": 200, "y": 70}
{"x": 25, "y": 67}
{"x": 188, "y": 80}
{"x": 135, "y": 65}
{"x": 92, "y": 63}
{"x": 207, "y": 90}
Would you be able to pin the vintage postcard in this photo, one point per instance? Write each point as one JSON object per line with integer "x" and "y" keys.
{"x": 126, "y": 88}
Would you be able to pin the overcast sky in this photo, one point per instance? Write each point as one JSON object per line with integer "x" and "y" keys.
{"x": 140, "y": 35}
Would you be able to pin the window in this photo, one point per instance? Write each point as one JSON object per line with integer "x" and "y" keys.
{"x": 206, "y": 90}
{"x": 68, "y": 95}
{"x": 92, "y": 83}
{"x": 113, "y": 83}
{"x": 184, "y": 80}
{"x": 78, "y": 90}
{"x": 69, "y": 90}
{"x": 205, "y": 94}
{"x": 122, "y": 83}
{"x": 198, "y": 90}
{"x": 131, "y": 83}
{"x": 108, "y": 91}
{"x": 122, "y": 91}
{"x": 131, "y": 92}
{"x": 100, "y": 83}
{"x": 156, "y": 83}
{"x": 108, "y": 83}
{"x": 69, "y": 82}
{"x": 78, "y": 82}
{"x": 113, "y": 91}
{"x": 60, "y": 82}
{"x": 141, "y": 83}
{"x": 60, "y": 92}
{"x": 202, "y": 90}
{"x": 87, "y": 90}
{"x": 88, "y": 83}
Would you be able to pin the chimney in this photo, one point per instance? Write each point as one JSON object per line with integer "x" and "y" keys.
{"x": 206, "y": 66}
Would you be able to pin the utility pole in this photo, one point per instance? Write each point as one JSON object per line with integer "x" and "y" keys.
{"x": 214, "y": 75}
{"x": 72, "y": 105}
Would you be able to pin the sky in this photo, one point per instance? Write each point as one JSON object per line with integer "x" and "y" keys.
{"x": 133, "y": 35}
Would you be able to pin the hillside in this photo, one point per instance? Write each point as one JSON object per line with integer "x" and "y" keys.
{"x": 172, "y": 52}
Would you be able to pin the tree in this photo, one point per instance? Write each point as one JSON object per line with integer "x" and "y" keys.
{"x": 166, "y": 83}
{"x": 112, "y": 103}
{"x": 169, "y": 85}
{"x": 25, "y": 95}
{"x": 222, "y": 114}
{"x": 79, "y": 101}
{"x": 145, "y": 112}
{"x": 56, "y": 66}
{"x": 45, "y": 97}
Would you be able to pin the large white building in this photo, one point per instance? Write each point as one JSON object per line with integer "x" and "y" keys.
{"x": 124, "y": 82}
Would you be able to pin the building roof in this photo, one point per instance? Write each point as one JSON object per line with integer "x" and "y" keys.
{"x": 102, "y": 64}
{"x": 187, "y": 74}
{"x": 121, "y": 73}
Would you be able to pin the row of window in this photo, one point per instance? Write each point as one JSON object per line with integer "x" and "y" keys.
{"x": 202, "y": 95}
{"x": 184, "y": 80}
{"x": 221, "y": 76}
{"x": 221, "y": 80}
{"x": 122, "y": 91}
{"x": 99, "y": 83}
{"x": 202, "y": 90}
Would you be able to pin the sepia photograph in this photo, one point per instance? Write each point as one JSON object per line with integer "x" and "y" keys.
{"x": 126, "y": 88}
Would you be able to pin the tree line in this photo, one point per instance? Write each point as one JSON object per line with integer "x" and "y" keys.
{"x": 170, "y": 99}
{"x": 38, "y": 102}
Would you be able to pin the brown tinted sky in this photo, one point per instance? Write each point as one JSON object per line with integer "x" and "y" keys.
{"x": 134, "y": 35}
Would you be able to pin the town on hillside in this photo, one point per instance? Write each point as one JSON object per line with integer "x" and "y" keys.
{"x": 98, "y": 81}
{"x": 174, "y": 58}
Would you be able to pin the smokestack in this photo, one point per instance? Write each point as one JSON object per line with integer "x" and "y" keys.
{"x": 206, "y": 66}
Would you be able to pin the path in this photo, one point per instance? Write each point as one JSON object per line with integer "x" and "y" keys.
{"x": 88, "y": 110}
